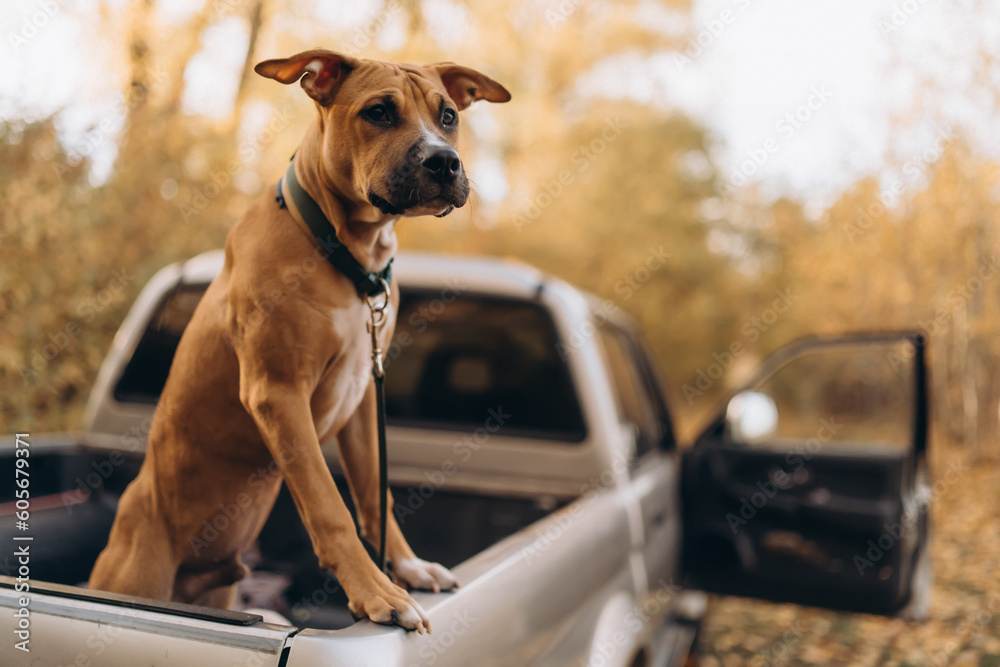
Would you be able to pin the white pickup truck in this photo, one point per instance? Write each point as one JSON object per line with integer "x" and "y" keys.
{"x": 531, "y": 450}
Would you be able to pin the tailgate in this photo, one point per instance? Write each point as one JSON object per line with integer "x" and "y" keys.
{"x": 66, "y": 625}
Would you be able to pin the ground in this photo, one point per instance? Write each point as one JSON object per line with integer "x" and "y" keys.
{"x": 964, "y": 623}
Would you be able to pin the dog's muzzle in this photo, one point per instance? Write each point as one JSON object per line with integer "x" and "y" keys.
{"x": 431, "y": 181}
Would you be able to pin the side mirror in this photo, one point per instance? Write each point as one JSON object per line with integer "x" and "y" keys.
{"x": 751, "y": 418}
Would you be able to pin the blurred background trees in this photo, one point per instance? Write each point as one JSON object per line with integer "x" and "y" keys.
{"x": 592, "y": 187}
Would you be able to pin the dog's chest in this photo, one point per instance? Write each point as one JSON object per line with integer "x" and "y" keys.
{"x": 343, "y": 384}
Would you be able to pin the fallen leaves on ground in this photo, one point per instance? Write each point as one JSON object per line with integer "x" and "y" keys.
{"x": 964, "y": 622}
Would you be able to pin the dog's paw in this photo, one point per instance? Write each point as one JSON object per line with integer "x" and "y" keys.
{"x": 418, "y": 574}
{"x": 388, "y": 604}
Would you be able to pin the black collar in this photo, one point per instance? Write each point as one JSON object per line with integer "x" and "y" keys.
{"x": 367, "y": 284}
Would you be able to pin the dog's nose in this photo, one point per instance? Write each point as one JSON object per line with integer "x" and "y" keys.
{"x": 443, "y": 164}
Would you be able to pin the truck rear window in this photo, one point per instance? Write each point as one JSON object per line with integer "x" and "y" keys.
{"x": 143, "y": 378}
{"x": 455, "y": 360}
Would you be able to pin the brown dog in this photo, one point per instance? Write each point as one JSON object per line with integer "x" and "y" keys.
{"x": 269, "y": 366}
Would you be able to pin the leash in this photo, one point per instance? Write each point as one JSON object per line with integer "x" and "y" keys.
{"x": 378, "y": 375}
{"x": 307, "y": 214}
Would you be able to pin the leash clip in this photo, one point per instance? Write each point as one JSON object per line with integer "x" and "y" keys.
{"x": 374, "y": 324}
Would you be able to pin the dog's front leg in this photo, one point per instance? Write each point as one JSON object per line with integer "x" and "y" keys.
{"x": 281, "y": 411}
{"x": 358, "y": 446}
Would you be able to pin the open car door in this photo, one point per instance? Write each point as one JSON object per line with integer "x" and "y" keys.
{"x": 811, "y": 485}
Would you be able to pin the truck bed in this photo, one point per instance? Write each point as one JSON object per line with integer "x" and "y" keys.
{"x": 75, "y": 488}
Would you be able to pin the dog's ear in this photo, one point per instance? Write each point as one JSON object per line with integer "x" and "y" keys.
{"x": 465, "y": 85}
{"x": 324, "y": 72}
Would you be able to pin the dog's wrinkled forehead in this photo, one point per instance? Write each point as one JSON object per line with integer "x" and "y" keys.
{"x": 408, "y": 89}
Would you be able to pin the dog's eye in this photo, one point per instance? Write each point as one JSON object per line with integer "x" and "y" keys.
{"x": 377, "y": 114}
{"x": 448, "y": 118}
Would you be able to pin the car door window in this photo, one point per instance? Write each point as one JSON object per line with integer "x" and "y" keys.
{"x": 846, "y": 398}
{"x": 637, "y": 405}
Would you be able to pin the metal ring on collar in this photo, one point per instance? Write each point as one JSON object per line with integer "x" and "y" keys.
{"x": 379, "y": 308}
